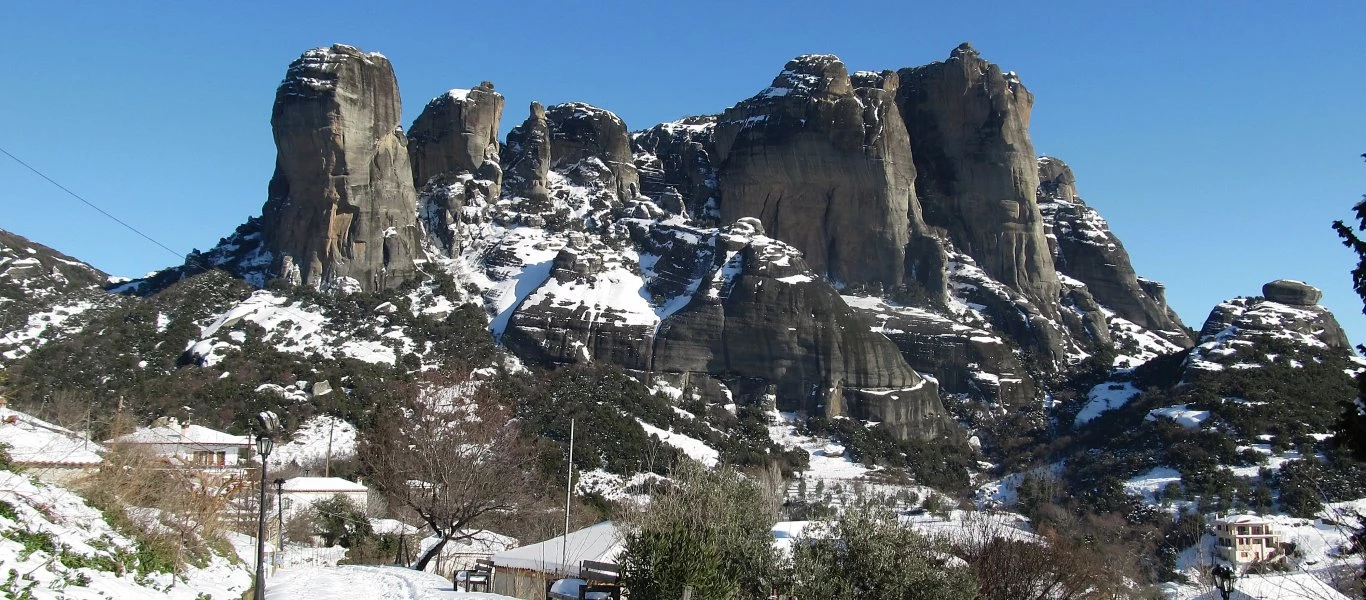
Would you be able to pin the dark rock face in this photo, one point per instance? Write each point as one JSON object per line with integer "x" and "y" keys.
{"x": 767, "y": 317}
{"x": 676, "y": 169}
{"x": 595, "y": 142}
{"x": 526, "y": 158}
{"x": 457, "y": 132}
{"x": 1297, "y": 293}
{"x": 826, "y": 165}
{"x": 342, "y": 206}
{"x": 1084, "y": 248}
{"x": 964, "y": 359}
{"x": 969, "y": 131}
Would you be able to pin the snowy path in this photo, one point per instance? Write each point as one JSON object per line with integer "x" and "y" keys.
{"x": 354, "y": 582}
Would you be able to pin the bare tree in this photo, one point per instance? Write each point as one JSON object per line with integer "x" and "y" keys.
{"x": 452, "y": 455}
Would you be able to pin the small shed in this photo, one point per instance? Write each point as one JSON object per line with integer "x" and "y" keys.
{"x": 52, "y": 453}
{"x": 298, "y": 494}
{"x": 524, "y": 572}
{"x": 193, "y": 445}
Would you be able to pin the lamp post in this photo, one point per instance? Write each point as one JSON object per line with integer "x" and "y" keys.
{"x": 263, "y": 447}
{"x": 1223, "y": 579}
{"x": 279, "y": 520}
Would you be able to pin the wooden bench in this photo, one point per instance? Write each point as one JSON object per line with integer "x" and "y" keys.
{"x": 478, "y": 577}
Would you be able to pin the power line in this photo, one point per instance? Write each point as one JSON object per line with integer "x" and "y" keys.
{"x": 89, "y": 203}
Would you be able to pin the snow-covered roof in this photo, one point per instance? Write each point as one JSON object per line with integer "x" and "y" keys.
{"x": 183, "y": 435}
{"x": 34, "y": 441}
{"x": 391, "y": 527}
{"x": 1242, "y": 519}
{"x": 601, "y": 542}
{"x": 322, "y": 484}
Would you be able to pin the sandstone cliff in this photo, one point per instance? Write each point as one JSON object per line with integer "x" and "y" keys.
{"x": 824, "y": 162}
{"x": 457, "y": 132}
{"x": 977, "y": 176}
{"x": 341, "y": 211}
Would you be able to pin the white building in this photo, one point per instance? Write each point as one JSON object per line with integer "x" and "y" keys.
{"x": 1244, "y": 539}
{"x": 193, "y": 445}
{"x": 55, "y": 454}
{"x": 300, "y": 493}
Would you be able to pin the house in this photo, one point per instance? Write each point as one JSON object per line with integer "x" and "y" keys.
{"x": 524, "y": 572}
{"x": 192, "y": 445}
{"x": 1246, "y": 538}
{"x": 298, "y": 494}
{"x": 54, "y": 454}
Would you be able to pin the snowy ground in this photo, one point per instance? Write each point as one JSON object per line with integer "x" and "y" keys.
{"x": 365, "y": 583}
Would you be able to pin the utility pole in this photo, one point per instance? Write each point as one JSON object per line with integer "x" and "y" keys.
{"x": 568, "y": 495}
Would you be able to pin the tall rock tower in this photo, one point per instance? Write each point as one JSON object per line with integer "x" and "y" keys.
{"x": 977, "y": 175}
{"x": 341, "y": 213}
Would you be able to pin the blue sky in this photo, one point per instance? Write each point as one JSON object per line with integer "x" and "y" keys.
{"x": 1219, "y": 140}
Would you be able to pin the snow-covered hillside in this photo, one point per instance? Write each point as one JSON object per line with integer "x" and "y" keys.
{"x": 55, "y": 546}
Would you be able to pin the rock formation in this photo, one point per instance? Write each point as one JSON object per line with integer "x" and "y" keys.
{"x": 1295, "y": 293}
{"x": 526, "y": 158}
{"x": 676, "y": 169}
{"x": 766, "y": 316}
{"x": 454, "y": 149}
{"x": 341, "y": 202}
{"x": 457, "y": 132}
{"x": 826, "y": 165}
{"x": 1084, "y": 248}
{"x": 969, "y": 130}
{"x": 1251, "y": 331}
{"x": 587, "y": 142}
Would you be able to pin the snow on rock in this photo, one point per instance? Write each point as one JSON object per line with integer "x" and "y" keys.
{"x": 311, "y": 442}
{"x": 1103, "y": 397}
{"x": 1182, "y": 414}
{"x": 693, "y": 447}
{"x": 1152, "y": 482}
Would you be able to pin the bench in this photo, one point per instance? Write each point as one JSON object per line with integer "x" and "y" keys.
{"x": 478, "y": 577}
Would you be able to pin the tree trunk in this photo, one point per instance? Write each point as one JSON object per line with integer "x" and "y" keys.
{"x": 421, "y": 564}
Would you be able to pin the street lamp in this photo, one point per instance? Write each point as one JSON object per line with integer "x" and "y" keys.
{"x": 1223, "y": 579}
{"x": 263, "y": 447}
{"x": 280, "y": 519}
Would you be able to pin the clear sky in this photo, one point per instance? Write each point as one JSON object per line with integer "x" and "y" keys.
{"x": 1220, "y": 139}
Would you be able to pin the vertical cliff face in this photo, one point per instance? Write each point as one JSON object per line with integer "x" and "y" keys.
{"x": 341, "y": 211}
{"x": 1084, "y": 248}
{"x": 824, "y": 161}
{"x": 454, "y": 149}
{"x": 969, "y": 130}
{"x": 762, "y": 314}
{"x": 457, "y": 132}
{"x": 675, "y": 162}
{"x": 526, "y": 158}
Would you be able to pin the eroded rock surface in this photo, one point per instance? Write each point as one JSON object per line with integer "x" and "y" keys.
{"x": 969, "y": 131}
{"x": 457, "y": 132}
{"x": 341, "y": 202}
{"x": 824, "y": 161}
